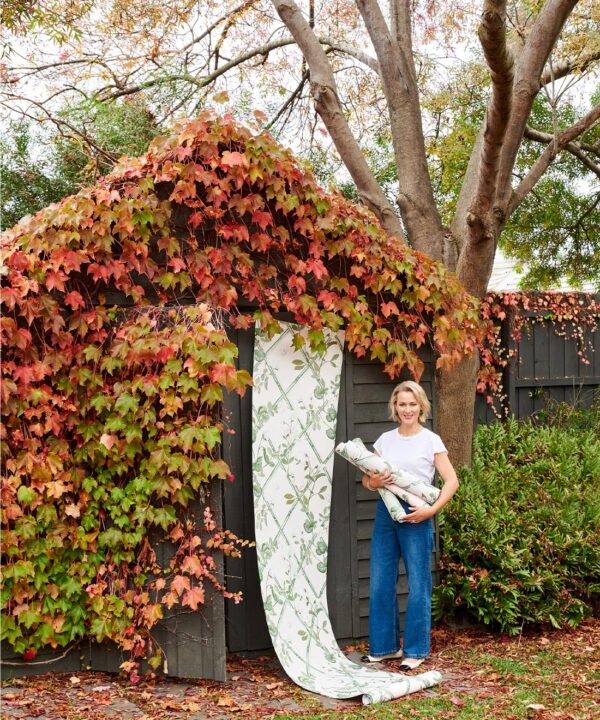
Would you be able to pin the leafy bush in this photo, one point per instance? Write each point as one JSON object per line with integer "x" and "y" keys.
{"x": 520, "y": 540}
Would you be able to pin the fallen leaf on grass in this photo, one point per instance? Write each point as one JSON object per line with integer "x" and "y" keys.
{"x": 457, "y": 701}
{"x": 191, "y": 707}
{"x": 18, "y": 703}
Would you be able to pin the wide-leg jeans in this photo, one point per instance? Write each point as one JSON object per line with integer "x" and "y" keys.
{"x": 414, "y": 543}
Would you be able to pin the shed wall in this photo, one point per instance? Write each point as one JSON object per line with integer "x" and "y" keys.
{"x": 362, "y": 412}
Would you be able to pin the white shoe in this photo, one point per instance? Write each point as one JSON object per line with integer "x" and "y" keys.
{"x": 411, "y": 664}
{"x": 378, "y": 658}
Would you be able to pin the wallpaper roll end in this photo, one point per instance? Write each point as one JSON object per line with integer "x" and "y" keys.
{"x": 406, "y": 686}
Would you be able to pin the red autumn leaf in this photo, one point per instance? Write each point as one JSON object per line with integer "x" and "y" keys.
{"x": 107, "y": 440}
{"x": 457, "y": 701}
{"x": 177, "y": 264}
{"x": 317, "y": 268}
{"x": 222, "y": 373}
{"x": 24, "y": 374}
{"x": 192, "y": 565}
{"x": 180, "y": 584}
{"x": 260, "y": 241}
{"x": 70, "y": 259}
{"x": 74, "y": 300}
{"x": 262, "y": 219}
{"x": 21, "y": 338}
{"x": 231, "y": 159}
{"x": 55, "y": 280}
{"x": 193, "y": 597}
{"x": 389, "y": 308}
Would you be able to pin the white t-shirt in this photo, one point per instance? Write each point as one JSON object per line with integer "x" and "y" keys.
{"x": 414, "y": 453}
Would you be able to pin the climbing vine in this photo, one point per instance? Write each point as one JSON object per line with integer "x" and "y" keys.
{"x": 573, "y": 316}
{"x": 114, "y": 312}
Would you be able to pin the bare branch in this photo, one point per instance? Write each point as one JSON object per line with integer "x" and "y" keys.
{"x": 42, "y": 662}
{"x": 291, "y": 99}
{"x": 201, "y": 82}
{"x": 575, "y": 149}
{"x": 75, "y": 133}
{"x": 327, "y": 104}
{"x": 547, "y": 157}
{"x": 231, "y": 16}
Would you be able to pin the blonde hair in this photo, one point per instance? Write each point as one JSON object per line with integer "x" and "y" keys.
{"x": 419, "y": 395}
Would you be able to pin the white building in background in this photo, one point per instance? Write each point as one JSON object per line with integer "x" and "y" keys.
{"x": 505, "y": 277}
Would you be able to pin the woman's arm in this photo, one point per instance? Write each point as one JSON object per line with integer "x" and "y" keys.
{"x": 444, "y": 467}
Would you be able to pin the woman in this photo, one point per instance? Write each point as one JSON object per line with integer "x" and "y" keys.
{"x": 420, "y": 452}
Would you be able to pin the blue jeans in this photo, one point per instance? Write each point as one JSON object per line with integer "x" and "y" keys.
{"x": 414, "y": 543}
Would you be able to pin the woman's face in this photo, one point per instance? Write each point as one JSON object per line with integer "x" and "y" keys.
{"x": 407, "y": 408}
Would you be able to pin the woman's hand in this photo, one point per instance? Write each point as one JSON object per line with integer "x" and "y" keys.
{"x": 419, "y": 514}
{"x": 374, "y": 481}
{"x": 445, "y": 469}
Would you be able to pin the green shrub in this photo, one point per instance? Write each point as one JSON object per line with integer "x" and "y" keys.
{"x": 520, "y": 540}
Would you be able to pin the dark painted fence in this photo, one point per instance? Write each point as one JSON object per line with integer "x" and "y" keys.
{"x": 546, "y": 367}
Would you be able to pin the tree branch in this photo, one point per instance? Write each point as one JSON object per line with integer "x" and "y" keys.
{"x": 575, "y": 149}
{"x": 42, "y": 662}
{"x": 532, "y": 60}
{"x": 542, "y": 163}
{"x": 203, "y": 81}
{"x": 230, "y": 17}
{"x": 76, "y": 136}
{"x": 328, "y": 106}
{"x": 291, "y": 99}
{"x": 416, "y": 201}
{"x": 361, "y": 56}
{"x": 492, "y": 35}
{"x": 567, "y": 67}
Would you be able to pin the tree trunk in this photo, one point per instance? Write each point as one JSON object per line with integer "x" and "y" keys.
{"x": 456, "y": 388}
{"x": 455, "y": 406}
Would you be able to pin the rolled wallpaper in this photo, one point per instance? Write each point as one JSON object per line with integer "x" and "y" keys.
{"x": 405, "y": 485}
